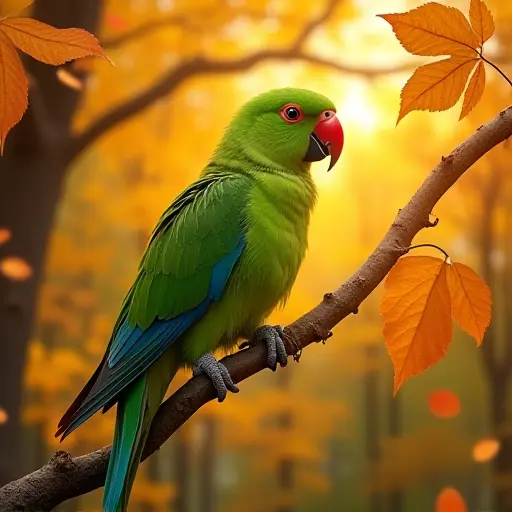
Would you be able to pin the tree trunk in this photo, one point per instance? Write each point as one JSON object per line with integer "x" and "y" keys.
{"x": 371, "y": 417}
{"x": 395, "y": 498}
{"x": 182, "y": 465}
{"x": 30, "y": 184}
{"x": 32, "y": 172}
{"x": 207, "y": 498}
{"x": 502, "y": 464}
{"x": 285, "y": 468}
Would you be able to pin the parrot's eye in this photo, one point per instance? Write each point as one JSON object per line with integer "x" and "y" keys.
{"x": 292, "y": 113}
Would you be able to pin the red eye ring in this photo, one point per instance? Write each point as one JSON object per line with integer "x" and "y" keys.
{"x": 292, "y": 113}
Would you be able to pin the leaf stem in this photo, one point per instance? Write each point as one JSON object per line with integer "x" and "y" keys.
{"x": 447, "y": 256}
{"x": 496, "y": 68}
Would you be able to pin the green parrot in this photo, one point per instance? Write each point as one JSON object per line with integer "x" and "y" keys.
{"x": 222, "y": 256}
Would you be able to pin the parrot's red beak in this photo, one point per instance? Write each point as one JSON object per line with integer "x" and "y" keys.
{"x": 327, "y": 139}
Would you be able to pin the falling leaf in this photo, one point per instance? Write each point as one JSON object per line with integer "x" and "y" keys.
{"x": 115, "y": 21}
{"x": 436, "y": 86}
{"x": 13, "y": 89}
{"x": 471, "y": 300}
{"x": 15, "y": 268}
{"x": 450, "y": 500}
{"x": 486, "y": 449}
{"x": 49, "y": 44}
{"x": 481, "y": 20}
{"x": 474, "y": 91}
{"x": 444, "y": 403}
{"x": 3, "y": 416}
{"x": 417, "y": 315}
{"x": 5, "y": 235}
{"x": 68, "y": 79}
{"x": 434, "y": 29}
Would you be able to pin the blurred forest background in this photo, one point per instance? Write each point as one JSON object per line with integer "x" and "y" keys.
{"x": 101, "y": 153}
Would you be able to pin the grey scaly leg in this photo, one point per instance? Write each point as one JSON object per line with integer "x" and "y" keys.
{"x": 217, "y": 373}
{"x": 272, "y": 336}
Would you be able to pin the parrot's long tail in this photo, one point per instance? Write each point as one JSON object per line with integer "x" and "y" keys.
{"x": 135, "y": 411}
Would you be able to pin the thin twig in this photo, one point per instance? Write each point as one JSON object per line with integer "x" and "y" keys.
{"x": 434, "y": 246}
{"x": 497, "y": 69}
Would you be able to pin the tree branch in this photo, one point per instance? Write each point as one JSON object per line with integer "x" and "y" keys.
{"x": 145, "y": 29}
{"x": 174, "y": 78}
{"x": 184, "y": 20}
{"x": 64, "y": 478}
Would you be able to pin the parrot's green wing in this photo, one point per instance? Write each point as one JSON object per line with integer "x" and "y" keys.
{"x": 196, "y": 231}
{"x": 185, "y": 268}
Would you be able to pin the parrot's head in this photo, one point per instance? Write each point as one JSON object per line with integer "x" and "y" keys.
{"x": 287, "y": 128}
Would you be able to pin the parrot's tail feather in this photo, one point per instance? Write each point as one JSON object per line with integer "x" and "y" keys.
{"x": 129, "y": 438}
{"x": 135, "y": 411}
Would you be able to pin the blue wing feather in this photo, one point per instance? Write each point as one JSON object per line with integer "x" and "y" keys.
{"x": 134, "y": 349}
{"x": 130, "y": 340}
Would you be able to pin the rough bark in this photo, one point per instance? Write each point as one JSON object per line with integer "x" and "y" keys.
{"x": 64, "y": 477}
{"x": 32, "y": 171}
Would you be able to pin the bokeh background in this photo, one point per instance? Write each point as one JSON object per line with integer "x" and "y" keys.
{"x": 101, "y": 153}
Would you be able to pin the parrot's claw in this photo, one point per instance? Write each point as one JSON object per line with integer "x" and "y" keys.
{"x": 276, "y": 349}
{"x": 217, "y": 373}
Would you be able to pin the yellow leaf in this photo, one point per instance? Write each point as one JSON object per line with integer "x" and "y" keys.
{"x": 13, "y": 89}
{"x": 474, "y": 91}
{"x": 417, "y": 315}
{"x": 435, "y": 86}
{"x": 5, "y": 235}
{"x": 49, "y": 44}
{"x": 485, "y": 450}
{"x": 68, "y": 79}
{"x": 471, "y": 300}
{"x": 15, "y": 268}
{"x": 481, "y": 20}
{"x": 434, "y": 29}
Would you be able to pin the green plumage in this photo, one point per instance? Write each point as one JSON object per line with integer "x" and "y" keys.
{"x": 256, "y": 190}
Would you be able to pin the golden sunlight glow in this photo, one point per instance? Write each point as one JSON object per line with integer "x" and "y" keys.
{"x": 355, "y": 107}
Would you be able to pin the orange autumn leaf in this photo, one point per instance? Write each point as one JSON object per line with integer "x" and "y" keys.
{"x": 15, "y": 268}
{"x": 417, "y": 315}
{"x": 5, "y": 235}
{"x": 485, "y": 450}
{"x": 474, "y": 91}
{"x": 13, "y": 88}
{"x": 49, "y": 44}
{"x": 68, "y": 79}
{"x": 444, "y": 403}
{"x": 3, "y": 416}
{"x": 481, "y": 20}
{"x": 450, "y": 500}
{"x": 471, "y": 300}
{"x": 434, "y": 29}
{"x": 42, "y": 42}
{"x": 436, "y": 86}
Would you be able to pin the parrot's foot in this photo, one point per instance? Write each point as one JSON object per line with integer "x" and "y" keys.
{"x": 273, "y": 338}
{"x": 217, "y": 373}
